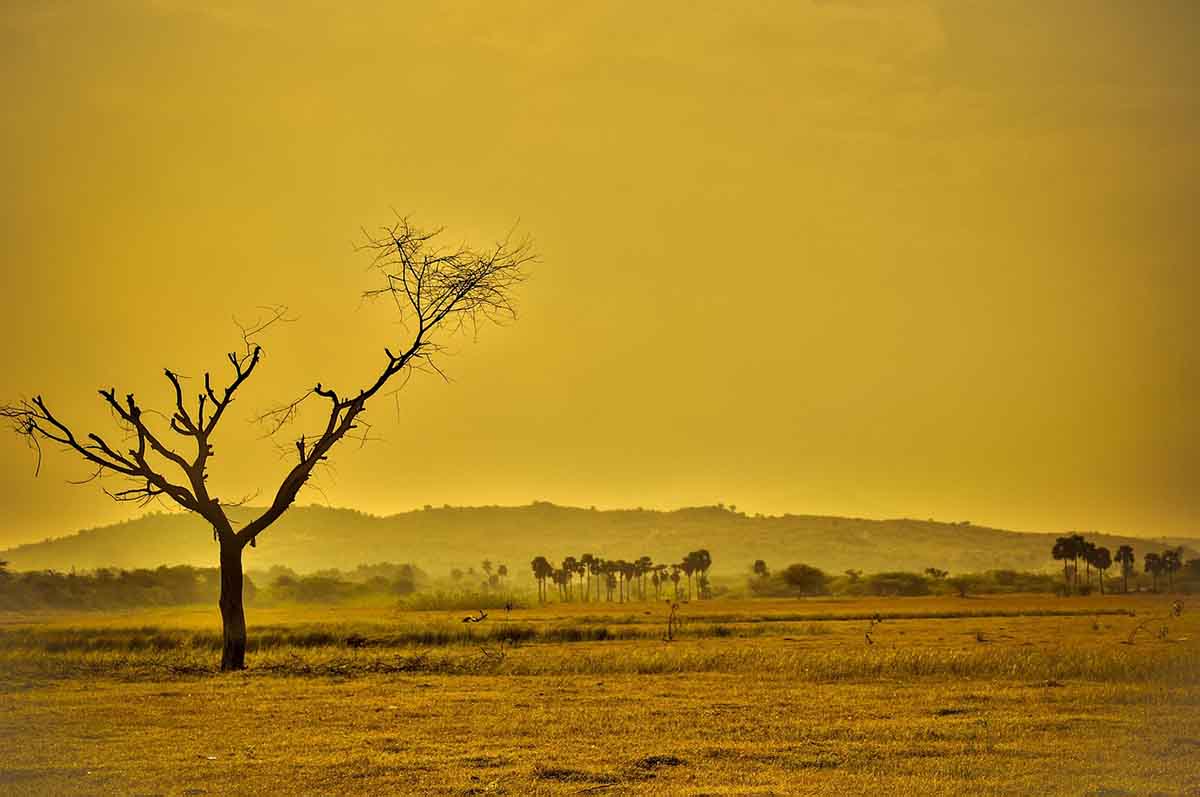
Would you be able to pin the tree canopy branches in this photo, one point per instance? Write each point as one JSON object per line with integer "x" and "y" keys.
{"x": 438, "y": 291}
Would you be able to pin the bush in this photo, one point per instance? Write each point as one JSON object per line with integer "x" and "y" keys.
{"x": 896, "y": 583}
{"x": 806, "y": 579}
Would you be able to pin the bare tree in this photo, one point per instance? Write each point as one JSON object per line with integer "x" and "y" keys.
{"x": 438, "y": 290}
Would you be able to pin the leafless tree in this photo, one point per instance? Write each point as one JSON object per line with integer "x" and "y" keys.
{"x": 438, "y": 291}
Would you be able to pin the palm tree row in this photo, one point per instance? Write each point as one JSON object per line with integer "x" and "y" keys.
{"x": 1074, "y": 547}
{"x": 621, "y": 580}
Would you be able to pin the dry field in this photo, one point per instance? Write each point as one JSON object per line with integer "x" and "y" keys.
{"x": 1004, "y": 695}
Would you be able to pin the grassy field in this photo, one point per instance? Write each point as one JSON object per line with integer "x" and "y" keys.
{"x": 1004, "y": 695}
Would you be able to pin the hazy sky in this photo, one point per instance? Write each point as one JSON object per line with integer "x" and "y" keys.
{"x": 882, "y": 259}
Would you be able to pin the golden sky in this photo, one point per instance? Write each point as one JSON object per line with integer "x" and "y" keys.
{"x": 881, "y": 259}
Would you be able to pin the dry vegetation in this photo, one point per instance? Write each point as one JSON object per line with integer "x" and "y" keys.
{"x": 1002, "y": 695}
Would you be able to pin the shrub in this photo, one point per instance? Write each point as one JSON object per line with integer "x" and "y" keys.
{"x": 896, "y": 583}
{"x": 806, "y": 579}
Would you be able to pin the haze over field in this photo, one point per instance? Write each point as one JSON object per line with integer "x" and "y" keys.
{"x": 846, "y": 258}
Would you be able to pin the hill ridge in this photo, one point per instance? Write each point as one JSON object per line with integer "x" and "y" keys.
{"x": 314, "y": 537}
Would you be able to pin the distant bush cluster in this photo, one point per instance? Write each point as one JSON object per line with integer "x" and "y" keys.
{"x": 385, "y": 580}
{"x": 112, "y": 589}
{"x": 800, "y": 580}
{"x": 182, "y": 585}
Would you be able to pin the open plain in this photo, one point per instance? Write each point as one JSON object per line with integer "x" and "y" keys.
{"x": 942, "y": 695}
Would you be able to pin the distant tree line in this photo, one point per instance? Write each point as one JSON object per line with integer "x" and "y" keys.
{"x": 1161, "y": 566}
{"x": 799, "y": 580}
{"x": 621, "y": 580}
{"x": 112, "y": 589}
{"x": 495, "y": 577}
{"x": 180, "y": 585}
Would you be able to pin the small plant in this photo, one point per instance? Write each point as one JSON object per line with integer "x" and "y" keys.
{"x": 876, "y": 620}
{"x": 673, "y": 622}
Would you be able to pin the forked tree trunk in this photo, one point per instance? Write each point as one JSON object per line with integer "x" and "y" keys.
{"x": 233, "y": 615}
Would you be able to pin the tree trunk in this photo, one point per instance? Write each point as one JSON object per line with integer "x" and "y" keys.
{"x": 233, "y": 616}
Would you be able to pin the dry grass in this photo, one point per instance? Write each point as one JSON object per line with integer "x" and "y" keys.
{"x": 990, "y": 696}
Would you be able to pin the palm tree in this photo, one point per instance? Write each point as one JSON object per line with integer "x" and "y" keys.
{"x": 1126, "y": 559}
{"x": 703, "y": 563}
{"x": 585, "y": 562}
{"x": 542, "y": 569}
{"x": 675, "y": 578}
{"x": 487, "y": 567}
{"x": 594, "y": 568}
{"x": 568, "y": 566}
{"x": 1102, "y": 560}
{"x": 610, "y": 579}
{"x": 1066, "y": 549}
{"x": 629, "y": 571}
{"x": 660, "y": 573}
{"x": 1172, "y": 561}
{"x": 760, "y": 568}
{"x": 644, "y": 563}
{"x": 502, "y": 571}
{"x": 1087, "y": 551}
{"x": 688, "y": 566}
{"x": 1153, "y": 566}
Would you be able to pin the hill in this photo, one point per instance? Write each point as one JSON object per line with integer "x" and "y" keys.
{"x": 437, "y": 539}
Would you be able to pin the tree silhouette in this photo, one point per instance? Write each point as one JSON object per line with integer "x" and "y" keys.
{"x": 1172, "y": 561}
{"x": 644, "y": 565}
{"x": 703, "y": 563}
{"x": 542, "y": 570}
{"x": 568, "y": 568}
{"x": 1087, "y": 551}
{"x": 688, "y": 566}
{"x": 1101, "y": 559}
{"x": 585, "y": 562}
{"x": 1068, "y": 549}
{"x": 437, "y": 290}
{"x": 660, "y": 576}
{"x": 502, "y": 572}
{"x": 628, "y": 573}
{"x": 1127, "y": 560}
{"x": 595, "y": 567}
{"x": 1154, "y": 566}
{"x": 760, "y": 569}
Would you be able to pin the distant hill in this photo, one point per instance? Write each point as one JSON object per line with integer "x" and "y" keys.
{"x": 312, "y": 538}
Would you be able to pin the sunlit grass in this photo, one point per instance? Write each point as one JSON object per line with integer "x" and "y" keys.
{"x": 940, "y": 697}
